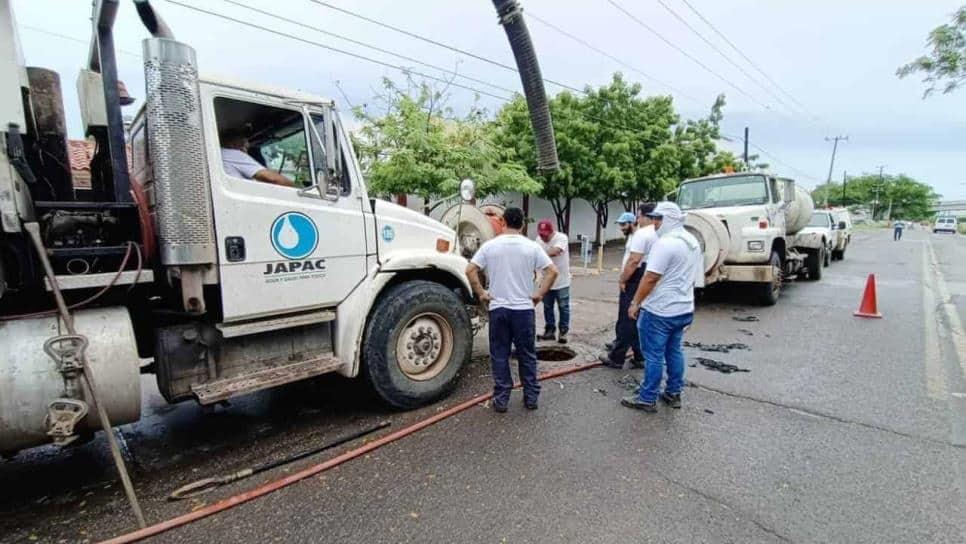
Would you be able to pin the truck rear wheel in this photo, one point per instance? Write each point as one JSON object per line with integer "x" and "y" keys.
{"x": 417, "y": 340}
{"x": 814, "y": 263}
{"x": 768, "y": 292}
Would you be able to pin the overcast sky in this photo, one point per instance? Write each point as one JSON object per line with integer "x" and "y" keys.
{"x": 836, "y": 58}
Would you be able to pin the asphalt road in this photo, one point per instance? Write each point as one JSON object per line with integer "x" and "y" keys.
{"x": 844, "y": 430}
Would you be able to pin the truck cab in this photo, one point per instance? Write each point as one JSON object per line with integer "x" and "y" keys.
{"x": 749, "y": 224}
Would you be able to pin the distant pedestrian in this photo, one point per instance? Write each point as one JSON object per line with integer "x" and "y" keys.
{"x": 667, "y": 292}
{"x": 897, "y": 230}
{"x": 632, "y": 270}
{"x": 510, "y": 261}
{"x": 557, "y": 246}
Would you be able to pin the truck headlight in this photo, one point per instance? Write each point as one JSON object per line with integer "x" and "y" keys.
{"x": 756, "y": 245}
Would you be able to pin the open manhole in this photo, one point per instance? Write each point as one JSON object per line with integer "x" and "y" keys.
{"x": 555, "y": 353}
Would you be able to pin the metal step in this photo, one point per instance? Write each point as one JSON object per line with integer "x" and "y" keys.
{"x": 217, "y": 391}
{"x": 244, "y": 328}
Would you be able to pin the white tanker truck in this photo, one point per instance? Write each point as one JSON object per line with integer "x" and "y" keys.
{"x": 749, "y": 227}
{"x": 220, "y": 286}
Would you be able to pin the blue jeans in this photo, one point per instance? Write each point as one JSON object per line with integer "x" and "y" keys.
{"x": 517, "y": 327}
{"x": 661, "y": 341}
{"x": 560, "y": 297}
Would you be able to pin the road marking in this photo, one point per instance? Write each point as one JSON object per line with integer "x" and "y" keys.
{"x": 935, "y": 376}
{"x": 952, "y": 317}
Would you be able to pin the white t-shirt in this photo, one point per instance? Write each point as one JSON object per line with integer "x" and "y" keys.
{"x": 678, "y": 266}
{"x": 239, "y": 164}
{"x": 561, "y": 261}
{"x": 510, "y": 262}
{"x": 641, "y": 242}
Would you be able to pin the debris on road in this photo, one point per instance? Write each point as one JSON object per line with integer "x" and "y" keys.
{"x": 601, "y": 391}
{"x": 720, "y": 366}
{"x": 745, "y": 318}
{"x": 629, "y": 382}
{"x": 720, "y": 348}
{"x": 746, "y": 332}
{"x": 708, "y": 411}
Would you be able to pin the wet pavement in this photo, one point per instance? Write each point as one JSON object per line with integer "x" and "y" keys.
{"x": 844, "y": 430}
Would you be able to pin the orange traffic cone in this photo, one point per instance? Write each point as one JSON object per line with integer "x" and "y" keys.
{"x": 869, "y": 306}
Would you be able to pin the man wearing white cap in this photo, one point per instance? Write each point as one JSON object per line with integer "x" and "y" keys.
{"x": 667, "y": 292}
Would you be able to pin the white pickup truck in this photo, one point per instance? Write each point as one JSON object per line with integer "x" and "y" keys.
{"x": 823, "y": 224}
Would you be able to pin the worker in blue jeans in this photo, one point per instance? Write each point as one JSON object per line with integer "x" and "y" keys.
{"x": 667, "y": 293}
{"x": 510, "y": 261}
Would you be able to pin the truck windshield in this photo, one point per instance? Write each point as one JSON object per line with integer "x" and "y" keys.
{"x": 725, "y": 191}
{"x": 819, "y": 220}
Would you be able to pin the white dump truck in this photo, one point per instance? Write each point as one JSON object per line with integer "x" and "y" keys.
{"x": 749, "y": 226}
{"x": 167, "y": 262}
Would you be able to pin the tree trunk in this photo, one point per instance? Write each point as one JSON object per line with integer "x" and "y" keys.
{"x": 561, "y": 212}
{"x": 601, "y": 211}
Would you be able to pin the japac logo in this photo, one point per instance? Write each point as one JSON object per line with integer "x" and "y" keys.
{"x": 294, "y": 235}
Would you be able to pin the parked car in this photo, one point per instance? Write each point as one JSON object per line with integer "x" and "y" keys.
{"x": 822, "y": 224}
{"x": 842, "y": 232}
{"x": 945, "y": 224}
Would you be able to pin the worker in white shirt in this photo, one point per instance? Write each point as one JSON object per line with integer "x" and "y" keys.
{"x": 238, "y": 163}
{"x": 667, "y": 293}
{"x": 632, "y": 270}
{"x": 510, "y": 261}
{"x": 557, "y": 246}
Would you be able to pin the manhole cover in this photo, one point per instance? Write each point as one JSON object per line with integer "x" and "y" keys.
{"x": 555, "y": 353}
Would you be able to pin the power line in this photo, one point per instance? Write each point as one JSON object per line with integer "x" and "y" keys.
{"x": 72, "y": 38}
{"x": 335, "y": 49}
{"x": 436, "y": 43}
{"x": 406, "y": 70}
{"x": 717, "y": 50}
{"x": 590, "y": 46}
{"x": 744, "y": 56}
{"x": 693, "y": 59}
{"x": 367, "y": 45}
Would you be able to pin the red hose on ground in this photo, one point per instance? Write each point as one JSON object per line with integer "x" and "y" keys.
{"x": 269, "y": 487}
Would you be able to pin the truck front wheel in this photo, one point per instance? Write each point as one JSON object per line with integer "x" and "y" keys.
{"x": 814, "y": 263}
{"x": 417, "y": 339}
{"x": 768, "y": 292}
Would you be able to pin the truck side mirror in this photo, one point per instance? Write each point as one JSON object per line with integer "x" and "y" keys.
{"x": 841, "y": 225}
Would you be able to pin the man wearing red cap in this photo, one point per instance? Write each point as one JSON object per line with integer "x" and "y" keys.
{"x": 557, "y": 246}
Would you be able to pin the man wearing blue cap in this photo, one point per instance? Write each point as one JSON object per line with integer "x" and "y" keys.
{"x": 641, "y": 237}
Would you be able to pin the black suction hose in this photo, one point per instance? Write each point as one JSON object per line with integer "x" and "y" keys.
{"x": 511, "y": 17}
{"x": 152, "y": 21}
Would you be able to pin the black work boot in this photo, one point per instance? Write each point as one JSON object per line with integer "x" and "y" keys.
{"x": 637, "y": 404}
{"x": 609, "y": 346}
{"x": 548, "y": 334}
{"x": 608, "y": 362}
{"x": 674, "y": 401}
{"x": 562, "y": 339}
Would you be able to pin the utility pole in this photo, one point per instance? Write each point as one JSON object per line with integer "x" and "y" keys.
{"x": 747, "y": 165}
{"x": 831, "y": 166}
{"x": 877, "y": 187}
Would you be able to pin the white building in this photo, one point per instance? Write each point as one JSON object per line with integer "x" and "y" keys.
{"x": 582, "y": 216}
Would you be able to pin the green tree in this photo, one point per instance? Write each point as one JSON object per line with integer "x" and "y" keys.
{"x": 418, "y": 147}
{"x": 945, "y": 66}
{"x": 697, "y": 145}
{"x": 573, "y": 132}
{"x": 630, "y": 157}
{"x": 895, "y": 197}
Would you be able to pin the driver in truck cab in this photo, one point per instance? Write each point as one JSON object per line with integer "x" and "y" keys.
{"x": 238, "y": 163}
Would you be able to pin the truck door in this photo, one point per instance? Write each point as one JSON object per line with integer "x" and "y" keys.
{"x": 281, "y": 248}
{"x": 776, "y": 214}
